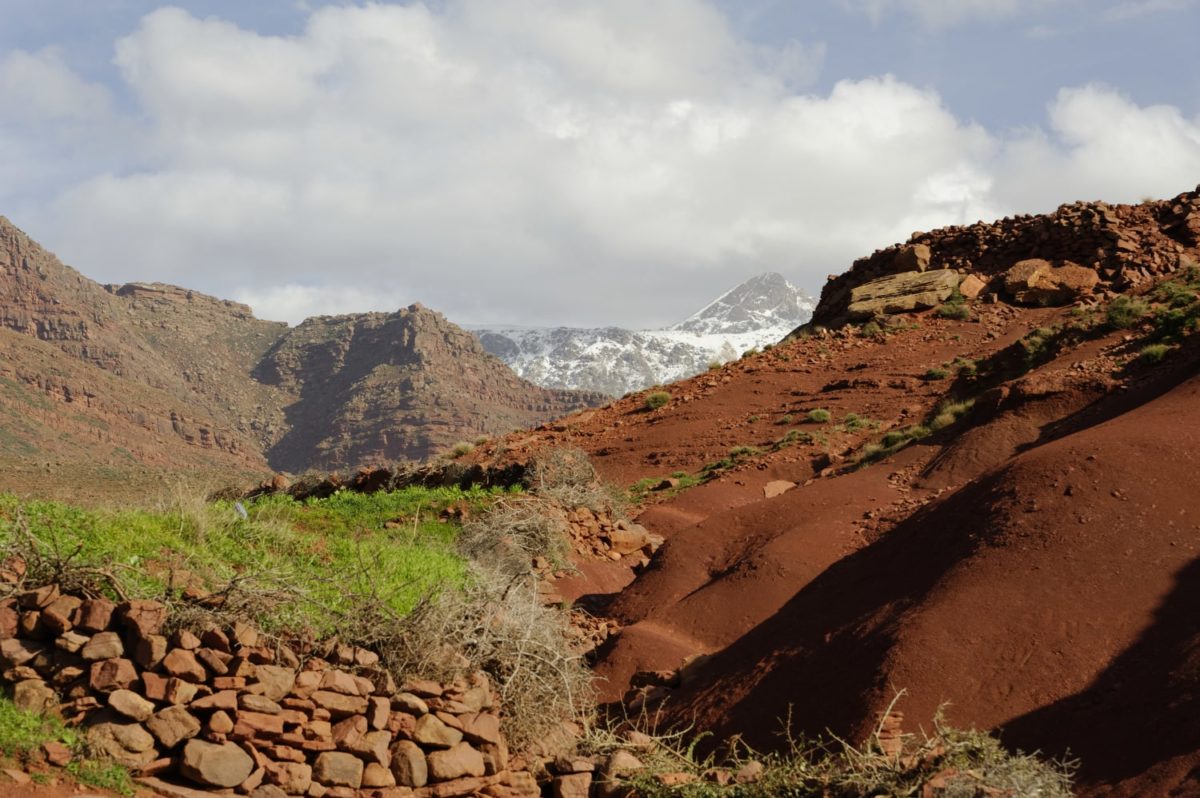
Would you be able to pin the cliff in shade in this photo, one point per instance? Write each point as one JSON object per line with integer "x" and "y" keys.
{"x": 149, "y": 375}
{"x": 615, "y": 361}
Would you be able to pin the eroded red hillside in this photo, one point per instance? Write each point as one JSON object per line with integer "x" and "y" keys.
{"x": 1029, "y": 566}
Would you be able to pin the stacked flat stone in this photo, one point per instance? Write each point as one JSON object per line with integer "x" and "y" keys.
{"x": 224, "y": 710}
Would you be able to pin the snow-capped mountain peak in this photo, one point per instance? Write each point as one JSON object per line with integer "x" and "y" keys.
{"x": 612, "y": 360}
{"x": 764, "y": 302}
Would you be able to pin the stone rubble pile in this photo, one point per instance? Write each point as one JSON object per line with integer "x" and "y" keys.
{"x": 1080, "y": 248}
{"x": 601, "y": 535}
{"x": 225, "y": 710}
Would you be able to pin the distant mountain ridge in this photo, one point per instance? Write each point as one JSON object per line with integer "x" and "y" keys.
{"x": 615, "y": 361}
{"x": 148, "y": 374}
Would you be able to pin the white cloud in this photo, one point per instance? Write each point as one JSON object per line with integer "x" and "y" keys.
{"x": 293, "y": 302}
{"x": 1132, "y": 9}
{"x": 947, "y": 13}
{"x": 530, "y": 161}
{"x": 1102, "y": 146}
{"x": 39, "y": 86}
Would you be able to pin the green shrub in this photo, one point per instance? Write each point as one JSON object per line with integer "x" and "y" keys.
{"x": 713, "y": 365}
{"x": 941, "y": 421}
{"x": 460, "y": 449}
{"x": 937, "y": 374}
{"x": 784, "y": 420}
{"x": 819, "y": 415}
{"x": 792, "y": 436}
{"x": 892, "y": 442}
{"x": 958, "y": 311}
{"x": 657, "y": 399}
{"x": 751, "y": 352}
{"x": 740, "y": 452}
{"x": 853, "y": 422}
{"x": 871, "y": 329}
{"x": 1153, "y": 353}
{"x": 1176, "y": 294}
{"x": 1125, "y": 312}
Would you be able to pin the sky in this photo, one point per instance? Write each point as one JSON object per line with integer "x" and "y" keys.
{"x": 567, "y": 162}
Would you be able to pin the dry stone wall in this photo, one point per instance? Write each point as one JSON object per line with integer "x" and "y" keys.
{"x": 1123, "y": 247}
{"x": 225, "y": 710}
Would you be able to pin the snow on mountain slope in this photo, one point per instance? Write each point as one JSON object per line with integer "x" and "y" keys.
{"x": 615, "y": 361}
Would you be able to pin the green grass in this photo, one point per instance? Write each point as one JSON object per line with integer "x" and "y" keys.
{"x": 936, "y": 374}
{"x": 819, "y": 416}
{"x": 329, "y": 553}
{"x": 1125, "y": 312}
{"x": 892, "y": 442}
{"x": 23, "y": 733}
{"x": 790, "y": 437}
{"x": 954, "y": 308}
{"x": 736, "y": 455}
{"x": 656, "y": 399}
{"x": 854, "y": 422}
{"x": 640, "y": 490}
{"x": 1153, "y": 353}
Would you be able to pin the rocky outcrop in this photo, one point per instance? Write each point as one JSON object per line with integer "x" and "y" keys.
{"x": 1041, "y": 283}
{"x": 901, "y": 293}
{"x": 1081, "y": 248}
{"x": 226, "y": 710}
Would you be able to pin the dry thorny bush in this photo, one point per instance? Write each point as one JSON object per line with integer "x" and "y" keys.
{"x": 566, "y": 477}
{"x": 947, "y": 762}
{"x": 498, "y": 624}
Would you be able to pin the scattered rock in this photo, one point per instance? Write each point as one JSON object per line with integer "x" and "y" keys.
{"x": 777, "y": 487}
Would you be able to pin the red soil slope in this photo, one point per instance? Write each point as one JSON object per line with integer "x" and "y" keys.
{"x": 1034, "y": 565}
{"x": 1054, "y": 599}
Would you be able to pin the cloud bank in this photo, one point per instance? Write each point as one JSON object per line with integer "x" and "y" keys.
{"x": 524, "y": 161}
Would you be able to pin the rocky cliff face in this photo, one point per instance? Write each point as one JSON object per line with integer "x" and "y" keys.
{"x": 84, "y": 376}
{"x": 380, "y": 387}
{"x": 158, "y": 375}
{"x": 615, "y": 361}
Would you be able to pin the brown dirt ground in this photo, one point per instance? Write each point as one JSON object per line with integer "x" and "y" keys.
{"x": 1032, "y": 569}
